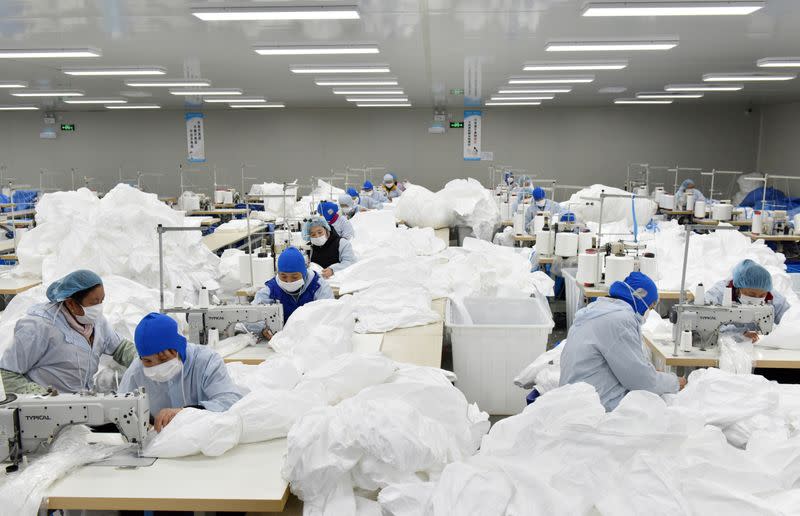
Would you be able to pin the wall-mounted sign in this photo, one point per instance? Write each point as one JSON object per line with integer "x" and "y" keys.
{"x": 195, "y": 138}
{"x": 457, "y": 91}
{"x": 67, "y": 127}
{"x": 456, "y": 125}
{"x": 472, "y": 135}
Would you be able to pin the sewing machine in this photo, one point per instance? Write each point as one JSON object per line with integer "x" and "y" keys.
{"x": 29, "y": 422}
{"x": 225, "y": 317}
{"x": 704, "y": 321}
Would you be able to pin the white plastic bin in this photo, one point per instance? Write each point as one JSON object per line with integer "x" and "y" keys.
{"x": 492, "y": 342}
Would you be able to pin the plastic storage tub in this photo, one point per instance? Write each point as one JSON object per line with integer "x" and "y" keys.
{"x": 493, "y": 339}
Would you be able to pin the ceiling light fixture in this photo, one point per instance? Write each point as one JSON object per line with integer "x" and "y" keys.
{"x": 32, "y": 53}
{"x": 703, "y": 87}
{"x": 779, "y": 62}
{"x": 534, "y": 90}
{"x": 339, "y": 69}
{"x": 372, "y": 99}
{"x": 575, "y": 66}
{"x": 124, "y": 71}
{"x": 641, "y": 101}
{"x": 748, "y": 77}
{"x": 20, "y": 107}
{"x": 168, "y": 83}
{"x": 613, "y": 89}
{"x": 48, "y": 93}
{"x": 356, "y": 82}
{"x": 606, "y": 46}
{"x": 537, "y": 97}
{"x": 562, "y": 79}
{"x": 683, "y": 8}
{"x": 667, "y": 95}
{"x": 13, "y": 84}
{"x": 134, "y": 106}
{"x": 276, "y": 13}
{"x": 314, "y": 50}
{"x": 201, "y": 92}
{"x": 408, "y": 104}
{"x": 368, "y": 92}
{"x": 264, "y": 105}
{"x": 109, "y": 100}
{"x": 235, "y": 100}
{"x": 513, "y": 104}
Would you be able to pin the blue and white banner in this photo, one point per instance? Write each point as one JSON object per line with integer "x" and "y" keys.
{"x": 472, "y": 135}
{"x": 195, "y": 138}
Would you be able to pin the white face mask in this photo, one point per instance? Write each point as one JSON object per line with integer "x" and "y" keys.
{"x": 388, "y": 185}
{"x": 290, "y": 286}
{"x": 90, "y": 314}
{"x": 165, "y": 371}
{"x": 748, "y": 300}
{"x": 319, "y": 241}
{"x": 355, "y": 201}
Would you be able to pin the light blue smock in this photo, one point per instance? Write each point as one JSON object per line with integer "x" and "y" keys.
{"x": 681, "y": 194}
{"x": 549, "y": 206}
{"x": 715, "y": 294}
{"x": 392, "y": 194}
{"x": 376, "y": 195}
{"x": 520, "y": 199}
{"x": 604, "y": 349}
{"x": 343, "y": 227}
{"x": 324, "y": 291}
{"x": 50, "y": 353}
{"x": 204, "y": 381}
{"x": 369, "y": 203}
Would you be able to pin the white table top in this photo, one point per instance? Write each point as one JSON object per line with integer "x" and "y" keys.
{"x": 246, "y": 478}
{"x": 7, "y": 245}
{"x": 219, "y": 239}
{"x": 11, "y": 285}
{"x": 254, "y": 355}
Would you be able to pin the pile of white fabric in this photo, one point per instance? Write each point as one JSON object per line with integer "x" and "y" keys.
{"x": 279, "y": 202}
{"x": 376, "y": 233}
{"x": 587, "y": 209}
{"x": 544, "y": 373}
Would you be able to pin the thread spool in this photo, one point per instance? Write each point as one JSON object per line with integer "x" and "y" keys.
{"x": 700, "y": 210}
{"x": 202, "y": 301}
{"x": 648, "y": 265}
{"x": 2, "y": 392}
{"x": 667, "y": 201}
{"x": 545, "y": 244}
{"x": 18, "y": 234}
{"x": 505, "y": 210}
{"x": 566, "y": 244}
{"x": 227, "y": 197}
{"x": 586, "y": 241}
{"x": 219, "y": 196}
{"x": 641, "y": 191}
{"x": 180, "y": 296}
{"x": 519, "y": 222}
{"x": 213, "y": 337}
{"x": 722, "y": 212}
{"x": 538, "y": 223}
{"x": 686, "y": 341}
{"x": 758, "y": 225}
{"x": 657, "y": 193}
{"x": 618, "y": 268}
{"x": 700, "y": 295}
{"x": 690, "y": 200}
{"x": 796, "y": 222}
{"x": 588, "y": 268}
{"x": 727, "y": 297}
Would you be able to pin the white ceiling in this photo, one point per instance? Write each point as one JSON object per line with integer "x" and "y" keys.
{"x": 425, "y": 42}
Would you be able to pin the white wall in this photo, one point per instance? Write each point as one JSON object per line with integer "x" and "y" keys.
{"x": 575, "y": 145}
{"x": 779, "y": 151}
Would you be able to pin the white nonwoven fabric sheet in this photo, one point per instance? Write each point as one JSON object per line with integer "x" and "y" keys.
{"x": 276, "y": 207}
{"x": 390, "y": 304}
{"x": 614, "y": 209}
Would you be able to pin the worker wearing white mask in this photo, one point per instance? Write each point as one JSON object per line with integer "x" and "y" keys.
{"x": 688, "y": 186}
{"x": 368, "y": 190}
{"x": 328, "y": 249}
{"x": 390, "y": 187}
{"x": 177, "y": 375}
{"x": 604, "y": 345}
{"x": 540, "y": 204}
{"x": 330, "y": 211}
{"x": 59, "y": 344}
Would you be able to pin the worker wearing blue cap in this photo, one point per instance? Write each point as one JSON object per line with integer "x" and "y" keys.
{"x": 540, "y": 204}
{"x": 328, "y": 250}
{"x": 752, "y": 285}
{"x": 58, "y": 344}
{"x": 330, "y": 210}
{"x": 293, "y": 287}
{"x": 688, "y": 186}
{"x": 175, "y": 374}
{"x": 524, "y": 193}
{"x": 364, "y": 202}
{"x": 368, "y": 190}
{"x": 604, "y": 344}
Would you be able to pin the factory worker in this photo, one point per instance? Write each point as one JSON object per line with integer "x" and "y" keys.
{"x": 347, "y": 206}
{"x": 58, "y": 344}
{"x": 363, "y": 202}
{"x": 293, "y": 287}
{"x": 524, "y": 193}
{"x": 390, "y": 187}
{"x": 688, "y": 186}
{"x": 330, "y": 211}
{"x": 176, "y": 375}
{"x": 328, "y": 249}
{"x": 368, "y": 190}
{"x": 604, "y": 344}
{"x": 752, "y": 285}
{"x": 540, "y": 204}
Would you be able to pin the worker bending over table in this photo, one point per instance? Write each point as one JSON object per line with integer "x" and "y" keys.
{"x": 368, "y": 190}
{"x": 59, "y": 343}
{"x": 328, "y": 249}
{"x": 330, "y": 211}
{"x": 688, "y": 187}
{"x": 363, "y": 202}
{"x": 604, "y": 344}
{"x": 540, "y": 204}
{"x": 390, "y": 187}
{"x": 177, "y": 375}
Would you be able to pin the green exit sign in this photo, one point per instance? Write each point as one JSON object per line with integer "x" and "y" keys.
{"x": 456, "y": 125}
{"x": 67, "y": 127}
{"x": 457, "y": 91}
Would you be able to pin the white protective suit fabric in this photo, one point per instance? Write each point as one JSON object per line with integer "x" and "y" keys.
{"x": 614, "y": 209}
{"x": 390, "y": 304}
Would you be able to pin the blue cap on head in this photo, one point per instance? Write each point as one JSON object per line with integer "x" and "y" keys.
{"x": 352, "y": 192}
{"x": 638, "y": 290}
{"x": 292, "y": 260}
{"x": 568, "y": 217}
{"x": 687, "y": 183}
{"x": 156, "y": 333}
{"x": 368, "y": 186}
{"x": 73, "y": 282}
{"x": 328, "y": 209}
{"x": 538, "y": 193}
{"x": 749, "y": 274}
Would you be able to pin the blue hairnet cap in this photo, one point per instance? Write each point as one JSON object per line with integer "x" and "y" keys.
{"x": 345, "y": 200}
{"x": 156, "y": 333}
{"x": 328, "y": 209}
{"x": 749, "y": 274}
{"x": 538, "y": 193}
{"x": 687, "y": 183}
{"x": 368, "y": 185}
{"x": 568, "y": 217}
{"x": 641, "y": 294}
{"x": 73, "y": 282}
{"x": 292, "y": 260}
{"x": 352, "y": 192}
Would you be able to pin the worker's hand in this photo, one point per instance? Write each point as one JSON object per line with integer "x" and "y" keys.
{"x": 752, "y": 336}
{"x": 327, "y": 273}
{"x": 266, "y": 334}
{"x": 681, "y": 382}
{"x": 164, "y": 417}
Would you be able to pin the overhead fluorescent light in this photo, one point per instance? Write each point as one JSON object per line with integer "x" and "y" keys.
{"x": 613, "y": 89}
{"x": 85, "y": 100}
{"x": 13, "y": 84}
{"x": 535, "y": 90}
{"x": 667, "y": 95}
{"x": 537, "y": 97}
{"x": 356, "y": 82}
{"x": 513, "y": 104}
{"x": 561, "y": 79}
{"x": 276, "y": 13}
{"x": 703, "y": 87}
{"x": 340, "y": 69}
{"x": 134, "y": 106}
{"x": 779, "y": 62}
{"x": 201, "y": 92}
{"x": 641, "y": 101}
{"x": 32, "y": 53}
{"x": 748, "y": 77}
{"x": 48, "y": 93}
{"x": 123, "y": 70}
{"x": 236, "y": 100}
{"x": 683, "y": 8}
{"x": 20, "y": 107}
{"x": 253, "y": 106}
{"x": 606, "y": 46}
{"x": 313, "y": 50}
{"x": 404, "y": 104}
{"x": 168, "y": 83}
{"x": 373, "y": 99}
{"x": 362, "y": 91}
{"x": 566, "y": 66}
